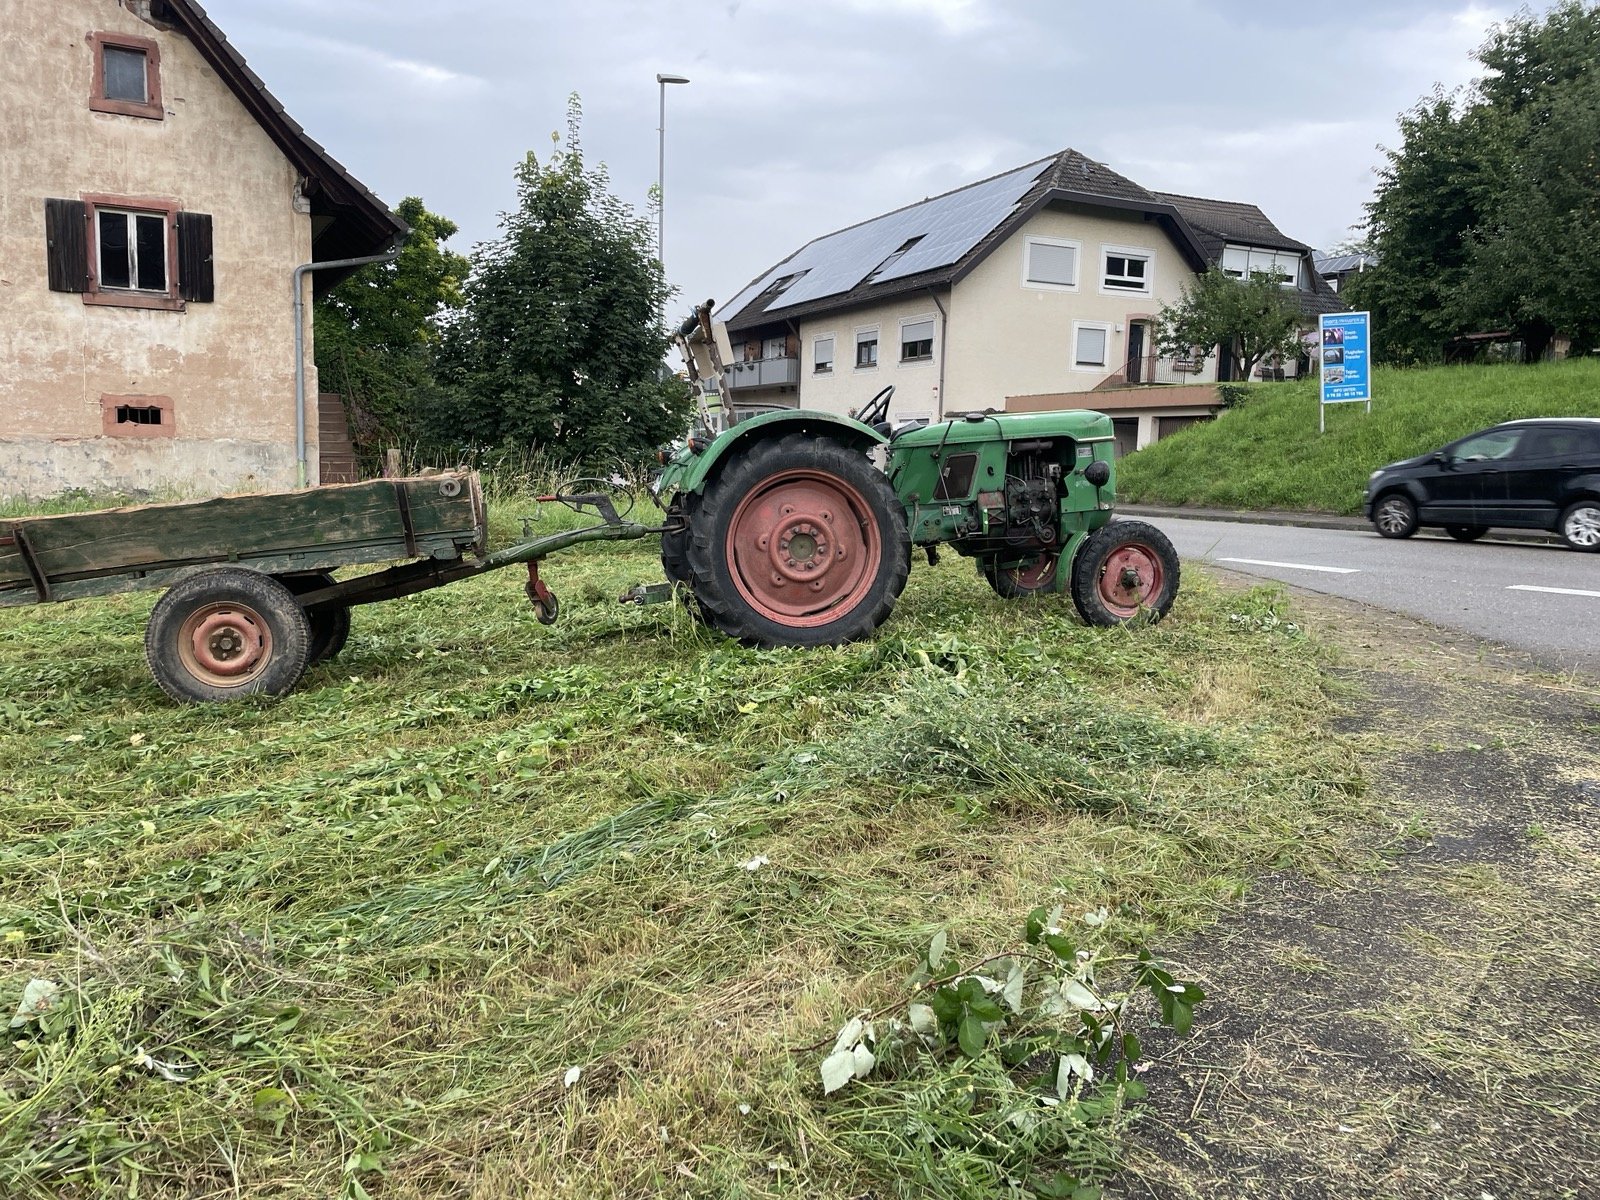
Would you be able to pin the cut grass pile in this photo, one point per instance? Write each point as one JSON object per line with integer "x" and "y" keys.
{"x": 353, "y": 942}
{"x": 1268, "y": 453}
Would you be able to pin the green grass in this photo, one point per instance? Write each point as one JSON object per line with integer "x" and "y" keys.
{"x": 371, "y": 926}
{"x": 1268, "y": 453}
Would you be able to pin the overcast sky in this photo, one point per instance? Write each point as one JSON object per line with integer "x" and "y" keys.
{"x": 807, "y": 115}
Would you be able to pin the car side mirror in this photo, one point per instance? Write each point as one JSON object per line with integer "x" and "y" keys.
{"x": 1440, "y": 458}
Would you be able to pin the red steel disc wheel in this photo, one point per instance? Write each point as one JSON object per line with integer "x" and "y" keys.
{"x": 1131, "y": 579}
{"x": 1126, "y": 569}
{"x": 225, "y": 645}
{"x": 803, "y": 548}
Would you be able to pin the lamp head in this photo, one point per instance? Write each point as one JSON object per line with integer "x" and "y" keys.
{"x": 661, "y": 78}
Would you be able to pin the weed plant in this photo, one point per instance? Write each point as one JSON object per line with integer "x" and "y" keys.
{"x": 1267, "y": 453}
{"x": 492, "y": 909}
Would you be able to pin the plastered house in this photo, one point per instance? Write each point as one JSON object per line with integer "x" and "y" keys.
{"x": 155, "y": 202}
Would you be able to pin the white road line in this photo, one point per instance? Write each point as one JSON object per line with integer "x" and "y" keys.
{"x": 1528, "y": 587}
{"x": 1261, "y": 562}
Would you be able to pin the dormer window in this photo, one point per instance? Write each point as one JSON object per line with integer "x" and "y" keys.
{"x": 883, "y": 267}
{"x": 127, "y": 76}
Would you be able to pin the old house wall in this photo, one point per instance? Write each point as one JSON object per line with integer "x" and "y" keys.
{"x": 225, "y": 367}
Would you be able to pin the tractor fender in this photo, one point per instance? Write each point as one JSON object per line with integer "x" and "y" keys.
{"x": 693, "y": 474}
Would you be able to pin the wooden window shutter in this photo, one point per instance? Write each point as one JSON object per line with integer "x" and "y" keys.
{"x": 67, "y": 244}
{"x": 196, "y": 280}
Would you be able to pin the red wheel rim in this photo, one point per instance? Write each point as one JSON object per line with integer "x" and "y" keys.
{"x": 803, "y": 548}
{"x": 1131, "y": 579}
{"x": 1035, "y": 576}
{"x": 225, "y": 645}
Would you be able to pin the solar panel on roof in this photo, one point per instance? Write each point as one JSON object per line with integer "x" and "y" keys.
{"x": 944, "y": 229}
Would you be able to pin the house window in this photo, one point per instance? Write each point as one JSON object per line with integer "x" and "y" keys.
{"x": 822, "y": 355}
{"x": 137, "y": 416}
{"x": 916, "y": 340}
{"x": 129, "y": 252}
{"x": 866, "y": 349}
{"x": 1050, "y": 263}
{"x": 126, "y": 76}
{"x": 1126, "y": 271}
{"x": 1090, "y": 345}
{"x": 775, "y": 348}
{"x": 1240, "y": 262}
{"x": 882, "y": 269}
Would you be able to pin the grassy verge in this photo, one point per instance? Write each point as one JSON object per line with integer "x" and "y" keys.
{"x": 354, "y": 942}
{"x": 1268, "y": 453}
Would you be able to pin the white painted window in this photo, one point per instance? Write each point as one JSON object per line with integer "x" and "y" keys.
{"x": 866, "y": 349}
{"x": 131, "y": 248}
{"x": 1240, "y": 262}
{"x": 916, "y": 340}
{"x": 822, "y": 355}
{"x": 1091, "y": 345}
{"x": 1126, "y": 269}
{"x": 1050, "y": 263}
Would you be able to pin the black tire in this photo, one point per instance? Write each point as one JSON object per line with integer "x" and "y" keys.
{"x": 1466, "y": 533}
{"x": 1394, "y": 515}
{"x": 330, "y": 625}
{"x": 839, "y": 516}
{"x": 1034, "y": 578}
{"x": 227, "y": 633}
{"x": 1580, "y": 526}
{"x": 1126, "y": 570}
{"x": 675, "y": 552}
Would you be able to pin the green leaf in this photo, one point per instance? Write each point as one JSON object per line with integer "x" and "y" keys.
{"x": 936, "y": 950}
{"x": 971, "y": 1036}
{"x": 1035, "y": 926}
{"x": 268, "y": 1099}
{"x": 1131, "y": 1049}
{"x": 947, "y": 1005}
{"x": 1061, "y": 947}
{"x": 1182, "y": 1017}
{"x": 986, "y": 1009}
{"x": 1135, "y": 1090}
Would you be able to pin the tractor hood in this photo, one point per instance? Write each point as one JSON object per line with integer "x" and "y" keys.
{"x": 1081, "y": 425}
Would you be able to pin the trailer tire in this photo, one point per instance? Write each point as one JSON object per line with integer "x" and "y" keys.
{"x": 1125, "y": 570}
{"x": 227, "y": 633}
{"x": 800, "y": 541}
{"x": 330, "y": 624}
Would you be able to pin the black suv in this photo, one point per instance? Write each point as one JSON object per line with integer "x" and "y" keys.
{"x": 1535, "y": 474}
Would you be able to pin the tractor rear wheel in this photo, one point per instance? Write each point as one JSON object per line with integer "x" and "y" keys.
{"x": 1033, "y": 578}
{"x": 1125, "y": 570}
{"x": 675, "y": 552}
{"x": 799, "y": 542}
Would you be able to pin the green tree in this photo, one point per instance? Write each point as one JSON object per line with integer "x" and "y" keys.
{"x": 377, "y": 333}
{"x": 1247, "y": 319}
{"x": 562, "y": 343}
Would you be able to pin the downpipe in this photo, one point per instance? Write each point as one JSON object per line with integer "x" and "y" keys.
{"x": 302, "y": 465}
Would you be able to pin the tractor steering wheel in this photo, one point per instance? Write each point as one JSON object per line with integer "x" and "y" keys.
{"x": 877, "y": 409}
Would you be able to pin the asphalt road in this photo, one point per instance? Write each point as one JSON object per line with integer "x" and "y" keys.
{"x": 1491, "y": 589}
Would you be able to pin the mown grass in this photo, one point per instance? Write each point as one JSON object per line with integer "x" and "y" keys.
{"x": 371, "y": 926}
{"x": 1268, "y": 453}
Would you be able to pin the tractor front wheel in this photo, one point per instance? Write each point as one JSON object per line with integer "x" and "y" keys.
{"x": 1125, "y": 570}
{"x": 799, "y": 542}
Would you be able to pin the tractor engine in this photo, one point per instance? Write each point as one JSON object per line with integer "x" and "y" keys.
{"x": 1026, "y": 515}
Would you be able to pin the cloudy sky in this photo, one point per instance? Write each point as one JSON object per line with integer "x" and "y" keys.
{"x": 808, "y": 115}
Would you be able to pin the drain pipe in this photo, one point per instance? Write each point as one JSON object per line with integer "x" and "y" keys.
{"x": 302, "y": 466}
{"x": 944, "y": 346}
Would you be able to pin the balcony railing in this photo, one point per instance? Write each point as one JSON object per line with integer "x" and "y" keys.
{"x": 764, "y": 373}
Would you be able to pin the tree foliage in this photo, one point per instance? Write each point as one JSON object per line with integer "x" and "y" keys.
{"x": 1487, "y": 216}
{"x": 562, "y": 343}
{"x": 377, "y": 332}
{"x": 1248, "y": 319}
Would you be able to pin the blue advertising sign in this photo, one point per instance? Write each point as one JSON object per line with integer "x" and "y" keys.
{"x": 1346, "y": 358}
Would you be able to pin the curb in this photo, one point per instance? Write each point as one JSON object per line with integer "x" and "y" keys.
{"x": 1309, "y": 520}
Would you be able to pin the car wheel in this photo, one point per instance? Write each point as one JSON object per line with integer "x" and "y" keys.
{"x": 1395, "y": 516}
{"x": 1466, "y": 533}
{"x": 1580, "y": 525}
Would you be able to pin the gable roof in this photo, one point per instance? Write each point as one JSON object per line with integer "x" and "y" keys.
{"x": 347, "y": 220}
{"x": 938, "y": 241}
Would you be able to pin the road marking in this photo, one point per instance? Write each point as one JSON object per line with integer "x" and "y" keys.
{"x": 1261, "y": 562}
{"x": 1528, "y": 587}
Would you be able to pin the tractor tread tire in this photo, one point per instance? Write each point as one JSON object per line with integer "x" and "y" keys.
{"x": 1091, "y": 561}
{"x": 265, "y": 598}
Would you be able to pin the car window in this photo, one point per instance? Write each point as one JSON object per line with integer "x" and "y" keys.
{"x": 1495, "y": 444}
{"x": 1558, "y": 443}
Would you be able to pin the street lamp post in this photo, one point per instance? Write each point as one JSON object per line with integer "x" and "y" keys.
{"x": 661, "y": 180}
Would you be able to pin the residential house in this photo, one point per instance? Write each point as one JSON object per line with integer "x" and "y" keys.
{"x": 1337, "y": 268}
{"x": 155, "y": 202}
{"x": 1034, "y": 289}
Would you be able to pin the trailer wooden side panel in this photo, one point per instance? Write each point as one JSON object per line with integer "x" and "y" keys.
{"x": 87, "y": 554}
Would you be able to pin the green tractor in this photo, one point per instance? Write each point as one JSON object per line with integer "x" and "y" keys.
{"x": 787, "y": 533}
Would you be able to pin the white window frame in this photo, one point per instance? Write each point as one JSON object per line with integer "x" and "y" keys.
{"x": 1149, "y": 257}
{"x": 877, "y": 354}
{"x": 933, "y": 342}
{"x": 1292, "y": 280}
{"x": 1029, "y": 242}
{"x": 1091, "y": 368}
{"x": 832, "y": 362}
{"x": 131, "y": 218}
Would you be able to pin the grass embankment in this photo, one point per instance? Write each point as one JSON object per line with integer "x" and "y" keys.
{"x": 1268, "y": 453}
{"x": 353, "y": 941}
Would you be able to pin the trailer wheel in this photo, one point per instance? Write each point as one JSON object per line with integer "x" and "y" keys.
{"x": 227, "y": 633}
{"x": 330, "y": 624}
{"x": 1033, "y": 578}
{"x": 1125, "y": 570}
{"x": 799, "y": 542}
